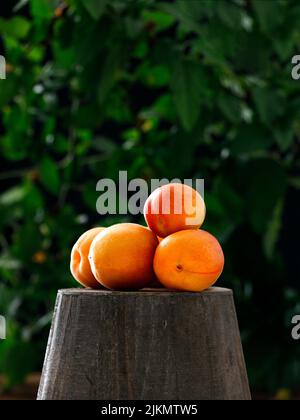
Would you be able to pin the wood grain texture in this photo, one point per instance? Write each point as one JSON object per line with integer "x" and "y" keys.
{"x": 146, "y": 345}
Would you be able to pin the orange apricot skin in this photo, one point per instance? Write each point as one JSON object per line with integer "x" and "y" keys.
{"x": 122, "y": 257}
{"x": 189, "y": 260}
{"x": 186, "y": 209}
{"x": 80, "y": 264}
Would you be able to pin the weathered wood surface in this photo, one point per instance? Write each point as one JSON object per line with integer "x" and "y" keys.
{"x": 146, "y": 345}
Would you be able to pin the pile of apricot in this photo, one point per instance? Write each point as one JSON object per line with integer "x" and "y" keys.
{"x": 172, "y": 251}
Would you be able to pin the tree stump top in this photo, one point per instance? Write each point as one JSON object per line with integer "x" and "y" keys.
{"x": 153, "y": 292}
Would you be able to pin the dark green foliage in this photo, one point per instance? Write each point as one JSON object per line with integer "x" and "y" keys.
{"x": 185, "y": 88}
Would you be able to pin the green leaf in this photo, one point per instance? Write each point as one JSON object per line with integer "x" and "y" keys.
{"x": 284, "y": 137}
{"x": 12, "y": 196}
{"x": 224, "y": 209}
{"x": 141, "y": 50}
{"x": 269, "y": 104}
{"x": 229, "y": 14}
{"x": 188, "y": 12}
{"x": 155, "y": 76}
{"x": 33, "y": 201}
{"x": 17, "y": 27}
{"x": 253, "y": 53}
{"x": 36, "y": 54}
{"x": 189, "y": 86}
{"x": 295, "y": 182}
{"x": 27, "y": 240}
{"x": 161, "y": 20}
{"x": 50, "y": 175}
{"x": 284, "y": 43}
{"x": 9, "y": 263}
{"x": 95, "y": 8}
{"x": 11, "y": 204}
{"x": 42, "y": 10}
{"x": 273, "y": 230}
{"x": 14, "y": 146}
{"x": 265, "y": 185}
{"x": 109, "y": 73}
{"x": 270, "y": 14}
{"x": 82, "y": 46}
{"x": 250, "y": 139}
{"x": 164, "y": 107}
{"x": 230, "y": 106}
{"x": 90, "y": 195}
{"x": 8, "y": 90}
{"x": 16, "y": 141}
{"x": 17, "y": 358}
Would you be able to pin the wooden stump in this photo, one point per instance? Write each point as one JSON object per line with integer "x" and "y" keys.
{"x": 146, "y": 345}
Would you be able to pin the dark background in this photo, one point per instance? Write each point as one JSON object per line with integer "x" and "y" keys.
{"x": 185, "y": 89}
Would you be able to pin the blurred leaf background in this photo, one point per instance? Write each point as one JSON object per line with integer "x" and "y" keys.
{"x": 184, "y": 88}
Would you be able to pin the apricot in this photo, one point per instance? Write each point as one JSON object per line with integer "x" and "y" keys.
{"x": 80, "y": 264}
{"x": 172, "y": 208}
{"x": 190, "y": 260}
{"x": 122, "y": 256}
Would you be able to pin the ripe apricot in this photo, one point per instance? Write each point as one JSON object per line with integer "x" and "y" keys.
{"x": 174, "y": 207}
{"x": 190, "y": 260}
{"x": 122, "y": 256}
{"x": 80, "y": 265}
